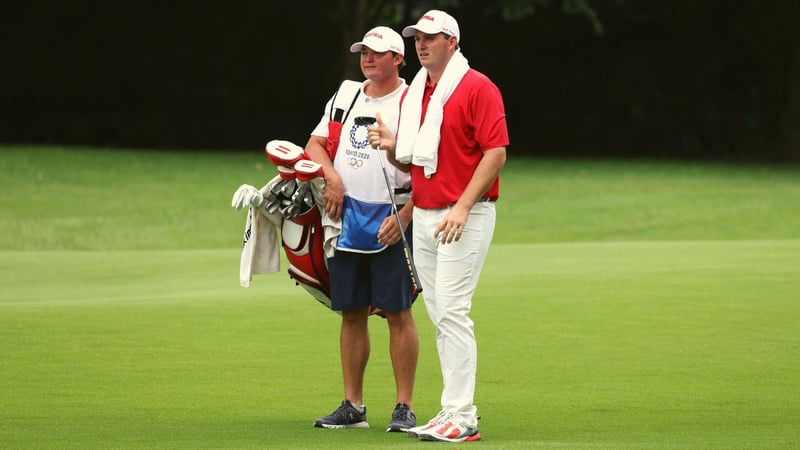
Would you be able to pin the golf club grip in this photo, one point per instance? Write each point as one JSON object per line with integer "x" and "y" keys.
{"x": 411, "y": 269}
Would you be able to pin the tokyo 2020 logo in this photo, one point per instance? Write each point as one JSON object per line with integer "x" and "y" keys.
{"x": 358, "y": 137}
{"x": 358, "y": 142}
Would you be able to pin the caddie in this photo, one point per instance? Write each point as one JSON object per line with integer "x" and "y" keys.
{"x": 368, "y": 268}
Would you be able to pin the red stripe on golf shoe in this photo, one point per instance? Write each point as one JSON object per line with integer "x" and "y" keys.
{"x": 474, "y": 437}
{"x": 445, "y": 427}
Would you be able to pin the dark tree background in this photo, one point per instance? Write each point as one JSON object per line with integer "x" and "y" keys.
{"x": 707, "y": 79}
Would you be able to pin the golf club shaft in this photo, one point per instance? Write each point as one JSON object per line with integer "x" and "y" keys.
{"x": 406, "y": 248}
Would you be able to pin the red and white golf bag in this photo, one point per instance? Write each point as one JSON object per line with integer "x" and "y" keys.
{"x": 292, "y": 201}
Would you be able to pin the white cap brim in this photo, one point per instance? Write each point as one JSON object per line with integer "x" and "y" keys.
{"x": 412, "y": 29}
{"x": 355, "y": 48}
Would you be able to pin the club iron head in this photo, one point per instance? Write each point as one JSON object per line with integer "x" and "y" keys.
{"x": 277, "y": 187}
{"x": 297, "y": 197}
{"x": 288, "y": 188}
{"x": 273, "y": 206}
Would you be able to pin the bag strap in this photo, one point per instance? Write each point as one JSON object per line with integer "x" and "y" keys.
{"x": 338, "y": 114}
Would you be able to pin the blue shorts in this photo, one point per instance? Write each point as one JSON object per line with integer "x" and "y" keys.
{"x": 379, "y": 279}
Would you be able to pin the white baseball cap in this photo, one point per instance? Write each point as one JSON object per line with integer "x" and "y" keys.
{"x": 433, "y": 22}
{"x": 381, "y": 39}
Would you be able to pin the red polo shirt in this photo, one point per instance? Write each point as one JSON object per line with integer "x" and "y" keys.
{"x": 474, "y": 121}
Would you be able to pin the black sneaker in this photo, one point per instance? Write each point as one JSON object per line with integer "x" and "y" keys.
{"x": 346, "y": 416}
{"x": 403, "y": 418}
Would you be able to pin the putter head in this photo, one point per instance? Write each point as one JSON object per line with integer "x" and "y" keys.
{"x": 364, "y": 120}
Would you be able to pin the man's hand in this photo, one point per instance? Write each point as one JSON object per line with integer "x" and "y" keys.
{"x": 246, "y": 195}
{"x": 389, "y": 232}
{"x": 451, "y": 227}
{"x": 333, "y": 195}
{"x": 379, "y": 135}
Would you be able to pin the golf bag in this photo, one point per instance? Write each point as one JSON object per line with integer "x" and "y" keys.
{"x": 292, "y": 202}
{"x": 302, "y": 239}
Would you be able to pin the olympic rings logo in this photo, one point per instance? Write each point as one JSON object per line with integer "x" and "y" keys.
{"x": 355, "y": 163}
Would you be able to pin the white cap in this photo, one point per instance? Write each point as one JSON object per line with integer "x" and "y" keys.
{"x": 381, "y": 39}
{"x": 434, "y": 22}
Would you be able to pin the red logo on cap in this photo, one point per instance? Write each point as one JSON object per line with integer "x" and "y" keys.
{"x": 377, "y": 35}
{"x": 426, "y": 17}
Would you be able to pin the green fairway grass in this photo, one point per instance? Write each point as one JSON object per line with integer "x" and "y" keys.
{"x": 623, "y": 305}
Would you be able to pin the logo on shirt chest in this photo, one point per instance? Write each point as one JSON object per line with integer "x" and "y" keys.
{"x": 358, "y": 152}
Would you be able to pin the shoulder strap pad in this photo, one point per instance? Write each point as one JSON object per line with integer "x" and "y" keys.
{"x": 344, "y": 99}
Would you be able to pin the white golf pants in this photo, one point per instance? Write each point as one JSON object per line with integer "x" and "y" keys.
{"x": 449, "y": 274}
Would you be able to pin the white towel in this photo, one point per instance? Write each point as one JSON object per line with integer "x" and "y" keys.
{"x": 331, "y": 229}
{"x": 260, "y": 245}
{"x": 420, "y": 144}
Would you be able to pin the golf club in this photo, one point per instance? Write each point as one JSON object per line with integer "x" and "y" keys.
{"x": 367, "y": 120}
